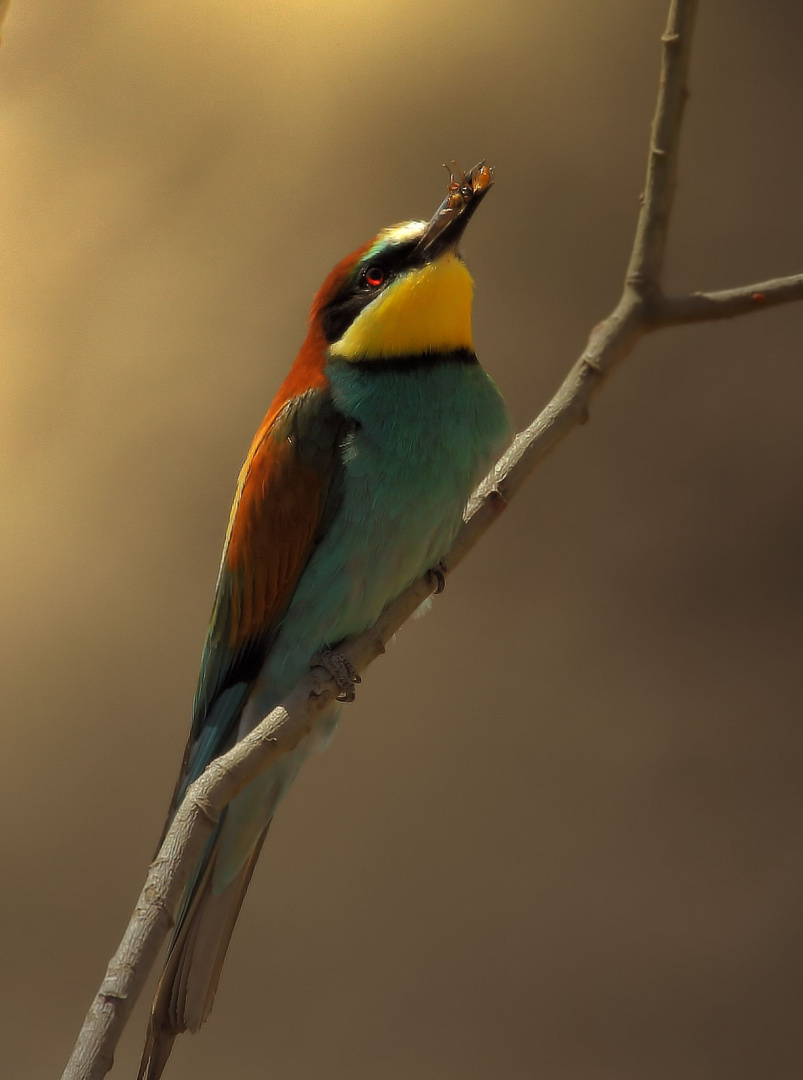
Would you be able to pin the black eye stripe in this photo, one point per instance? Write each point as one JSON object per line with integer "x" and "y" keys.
{"x": 390, "y": 260}
{"x": 357, "y": 293}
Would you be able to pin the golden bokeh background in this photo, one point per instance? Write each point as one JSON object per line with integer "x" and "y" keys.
{"x": 559, "y": 834}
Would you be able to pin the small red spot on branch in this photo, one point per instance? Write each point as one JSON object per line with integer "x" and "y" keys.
{"x": 758, "y": 297}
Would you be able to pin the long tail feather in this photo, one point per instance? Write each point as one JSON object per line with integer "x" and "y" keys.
{"x": 191, "y": 974}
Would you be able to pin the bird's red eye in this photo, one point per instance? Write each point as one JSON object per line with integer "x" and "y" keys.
{"x": 374, "y": 276}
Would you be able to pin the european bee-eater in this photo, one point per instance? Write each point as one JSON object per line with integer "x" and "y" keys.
{"x": 354, "y": 486}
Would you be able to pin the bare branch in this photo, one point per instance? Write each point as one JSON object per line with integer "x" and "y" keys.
{"x": 645, "y": 271}
{"x": 641, "y": 309}
{"x": 728, "y": 303}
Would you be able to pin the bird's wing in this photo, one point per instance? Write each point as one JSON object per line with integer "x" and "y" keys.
{"x": 287, "y": 494}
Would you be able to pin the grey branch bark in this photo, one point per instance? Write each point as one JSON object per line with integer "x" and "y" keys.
{"x": 641, "y": 309}
{"x": 647, "y": 258}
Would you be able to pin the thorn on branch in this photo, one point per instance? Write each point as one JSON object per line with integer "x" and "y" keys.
{"x": 670, "y": 39}
{"x": 496, "y": 498}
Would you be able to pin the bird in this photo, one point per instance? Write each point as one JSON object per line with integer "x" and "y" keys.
{"x": 354, "y": 486}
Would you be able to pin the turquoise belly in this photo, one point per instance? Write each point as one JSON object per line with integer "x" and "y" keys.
{"x": 423, "y": 440}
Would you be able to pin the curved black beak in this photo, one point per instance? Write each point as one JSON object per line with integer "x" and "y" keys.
{"x": 466, "y": 192}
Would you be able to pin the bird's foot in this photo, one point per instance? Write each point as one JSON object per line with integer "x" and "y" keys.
{"x": 438, "y": 576}
{"x": 341, "y": 671}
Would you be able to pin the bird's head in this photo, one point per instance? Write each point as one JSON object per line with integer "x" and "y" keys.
{"x": 406, "y": 293}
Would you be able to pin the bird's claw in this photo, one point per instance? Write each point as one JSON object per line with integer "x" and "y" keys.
{"x": 438, "y": 575}
{"x": 341, "y": 670}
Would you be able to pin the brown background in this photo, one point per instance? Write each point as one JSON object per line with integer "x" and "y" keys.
{"x": 559, "y": 836}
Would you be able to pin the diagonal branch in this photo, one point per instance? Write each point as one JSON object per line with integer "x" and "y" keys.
{"x": 641, "y": 309}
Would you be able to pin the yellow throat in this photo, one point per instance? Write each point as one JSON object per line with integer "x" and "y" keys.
{"x": 425, "y": 310}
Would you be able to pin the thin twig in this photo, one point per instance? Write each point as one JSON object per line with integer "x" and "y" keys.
{"x": 645, "y": 272}
{"x": 703, "y": 307}
{"x": 642, "y": 308}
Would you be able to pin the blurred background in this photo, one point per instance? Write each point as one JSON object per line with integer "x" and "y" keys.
{"x": 559, "y": 834}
